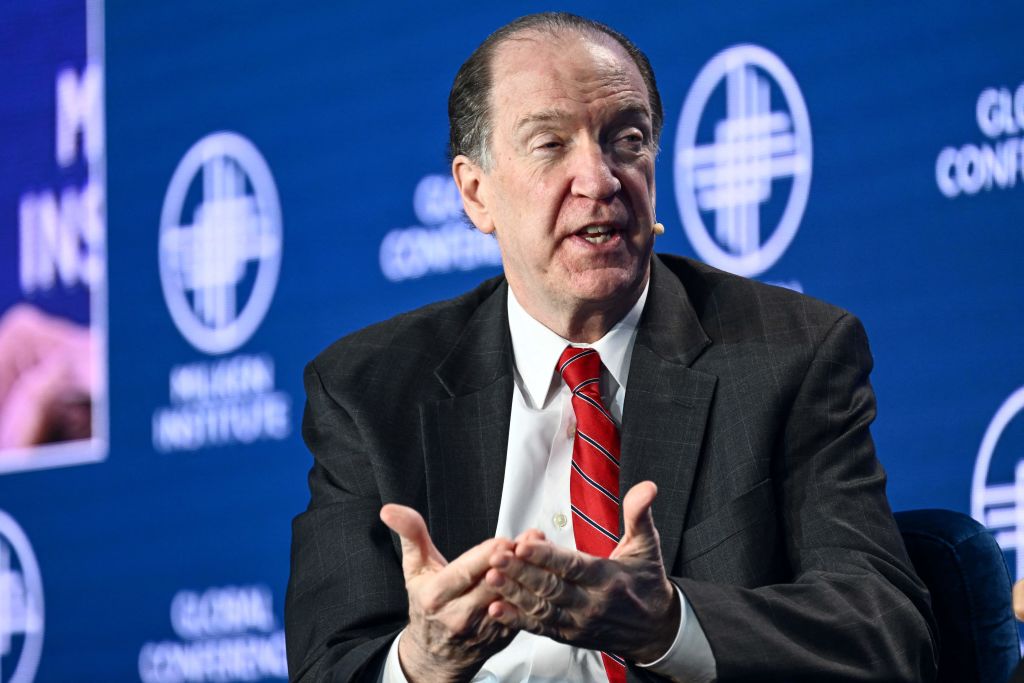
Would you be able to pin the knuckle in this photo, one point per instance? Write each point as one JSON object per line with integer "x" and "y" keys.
{"x": 592, "y": 611}
{"x": 428, "y": 607}
{"x": 430, "y": 602}
{"x": 595, "y": 572}
{"x": 459, "y": 628}
{"x": 492, "y": 545}
{"x": 463, "y": 575}
{"x": 549, "y": 586}
{"x": 537, "y": 625}
{"x": 618, "y": 585}
{"x": 507, "y": 590}
{"x": 516, "y": 592}
{"x": 574, "y": 567}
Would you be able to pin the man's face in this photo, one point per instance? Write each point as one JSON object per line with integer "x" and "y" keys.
{"x": 570, "y": 190}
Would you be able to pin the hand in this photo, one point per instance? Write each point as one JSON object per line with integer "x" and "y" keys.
{"x": 45, "y": 378}
{"x": 624, "y": 604}
{"x": 450, "y": 634}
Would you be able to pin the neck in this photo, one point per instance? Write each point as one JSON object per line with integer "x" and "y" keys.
{"x": 586, "y": 321}
{"x": 588, "y": 326}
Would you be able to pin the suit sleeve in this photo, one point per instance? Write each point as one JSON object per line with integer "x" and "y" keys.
{"x": 854, "y": 610}
{"x": 339, "y": 624}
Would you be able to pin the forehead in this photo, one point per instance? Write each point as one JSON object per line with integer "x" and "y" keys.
{"x": 569, "y": 71}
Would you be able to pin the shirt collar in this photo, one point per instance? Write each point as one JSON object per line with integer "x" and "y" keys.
{"x": 536, "y": 349}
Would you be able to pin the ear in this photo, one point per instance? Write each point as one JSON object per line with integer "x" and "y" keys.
{"x": 471, "y": 181}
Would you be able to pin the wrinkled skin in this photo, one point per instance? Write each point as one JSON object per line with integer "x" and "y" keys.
{"x": 572, "y": 148}
{"x": 624, "y": 604}
{"x": 450, "y": 633}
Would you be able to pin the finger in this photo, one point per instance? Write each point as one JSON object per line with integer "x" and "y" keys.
{"x": 469, "y": 612}
{"x": 30, "y": 405}
{"x": 1018, "y": 600}
{"x": 504, "y": 613}
{"x": 641, "y": 536}
{"x": 513, "y": 574}
{"x": 418, "y": 550}
{"x": 463, "y": 573}
{"x": 520, "y": 608}
{"x": 530, "y": 535}
{"x": 571, "y": 565}
{"x": 511, "y": 591}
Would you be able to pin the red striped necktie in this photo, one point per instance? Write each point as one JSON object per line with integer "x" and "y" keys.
{"x": 594, "y": 479}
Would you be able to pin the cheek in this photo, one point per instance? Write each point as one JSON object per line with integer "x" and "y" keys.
{"x": 520, "y": 248}
{"x": 520, "y": 201}
{"x": 531, "y": 205}
{"x": 642, "y": 193}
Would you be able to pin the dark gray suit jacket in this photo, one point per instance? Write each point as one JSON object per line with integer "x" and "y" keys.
{"x": 748, "y": 405}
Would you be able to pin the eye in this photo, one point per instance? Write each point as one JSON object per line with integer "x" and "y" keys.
{"x": 630, "y": 139}
{"x": 629, "y": 142}
{"x": 548, "y": 144}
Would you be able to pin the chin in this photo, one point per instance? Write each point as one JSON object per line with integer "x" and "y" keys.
{"x": 607, "y": 285}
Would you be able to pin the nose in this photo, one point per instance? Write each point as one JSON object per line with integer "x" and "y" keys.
{"x": 593, "y": 177}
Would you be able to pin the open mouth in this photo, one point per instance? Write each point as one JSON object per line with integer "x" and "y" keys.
{"x": 597, "y": 234}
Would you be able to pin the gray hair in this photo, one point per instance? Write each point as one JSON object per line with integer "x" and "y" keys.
{"x": 470, "y": 123}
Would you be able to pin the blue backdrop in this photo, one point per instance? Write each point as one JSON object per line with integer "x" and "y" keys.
{"x": 256, "y": 179}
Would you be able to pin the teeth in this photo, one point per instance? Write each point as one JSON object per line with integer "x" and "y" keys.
{"x": 597, "y": 234}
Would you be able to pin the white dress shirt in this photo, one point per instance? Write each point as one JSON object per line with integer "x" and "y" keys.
{"x": 535, "y": 494}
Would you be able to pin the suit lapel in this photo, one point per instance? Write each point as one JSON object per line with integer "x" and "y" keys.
{"x": 465, "y": 435}
{"x": 666, "y": 406}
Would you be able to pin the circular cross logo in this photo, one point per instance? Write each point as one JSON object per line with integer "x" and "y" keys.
{"x": 21, "y": 605}
{"x": 736, "y": 152}
{"x": 997, "y": 487}
{"x": 220, "y": 242}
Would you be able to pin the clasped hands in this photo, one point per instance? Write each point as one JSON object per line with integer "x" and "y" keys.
{"x": 463, "y": 612}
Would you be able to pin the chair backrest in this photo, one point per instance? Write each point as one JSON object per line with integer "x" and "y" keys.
{"x": 963, "y": 567}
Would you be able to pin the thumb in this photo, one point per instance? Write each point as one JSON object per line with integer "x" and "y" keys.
{"x": 418, "y": 551}
{"x": 641, "y": 536}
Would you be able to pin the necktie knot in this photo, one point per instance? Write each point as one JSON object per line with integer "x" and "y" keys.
{"x": 579, "y": 366}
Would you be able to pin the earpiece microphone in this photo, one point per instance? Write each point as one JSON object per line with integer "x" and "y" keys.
{"x": 658, "y": 229}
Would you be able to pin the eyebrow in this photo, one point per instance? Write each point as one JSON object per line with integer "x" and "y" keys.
{"x": 634, "y": 109}
{"x": 542, "y": 116}
{"x": 552, "y": 115}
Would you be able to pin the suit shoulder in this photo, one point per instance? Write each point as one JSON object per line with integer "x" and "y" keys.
{"x": 417, "y": 339}
{"x": 736, "y": 305}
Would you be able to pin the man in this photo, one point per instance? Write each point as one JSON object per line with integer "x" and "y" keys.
{"x": 739, "y": 411}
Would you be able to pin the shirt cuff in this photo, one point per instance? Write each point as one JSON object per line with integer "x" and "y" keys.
{"x": 392, "y": 671}
{"x": 689, "y": 658}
